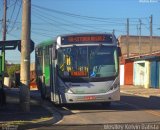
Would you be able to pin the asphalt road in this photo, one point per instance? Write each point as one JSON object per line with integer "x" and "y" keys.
{"x": 129, "y": 113}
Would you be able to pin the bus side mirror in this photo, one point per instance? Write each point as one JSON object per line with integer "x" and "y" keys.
{"x": 54, "y": 53}
{"x": 119, "y": 52}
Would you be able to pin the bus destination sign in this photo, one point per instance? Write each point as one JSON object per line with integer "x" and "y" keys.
{"x": 86, "y": 38}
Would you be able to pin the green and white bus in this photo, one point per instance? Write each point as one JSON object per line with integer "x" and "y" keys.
{"x": 79, "y": 68}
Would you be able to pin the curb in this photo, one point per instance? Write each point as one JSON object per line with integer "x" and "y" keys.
{"x": 49, "y": 107}
{"x": 57, "y": 116}
{"x": 33, "y": 124}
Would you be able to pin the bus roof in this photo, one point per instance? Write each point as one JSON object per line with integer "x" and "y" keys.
{"x": 51, "y": 41}
{"x": 91, "y": 33}
{"x": 46, "y": 43}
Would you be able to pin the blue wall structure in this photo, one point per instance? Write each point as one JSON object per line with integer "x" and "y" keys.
{"x": 154, "y": 74}
{"x": 146, "y": 71}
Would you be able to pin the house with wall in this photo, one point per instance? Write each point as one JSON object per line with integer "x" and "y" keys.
{"x": 140, "y": 63}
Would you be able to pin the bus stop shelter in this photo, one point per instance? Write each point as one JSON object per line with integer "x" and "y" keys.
{"x": 8, "y": 45}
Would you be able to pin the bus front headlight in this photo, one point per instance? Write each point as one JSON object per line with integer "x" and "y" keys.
{"x": 67, "y": 90}
{"x": 114, "y": 86}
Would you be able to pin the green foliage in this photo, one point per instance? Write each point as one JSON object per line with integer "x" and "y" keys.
{"x": 12, "y": 69}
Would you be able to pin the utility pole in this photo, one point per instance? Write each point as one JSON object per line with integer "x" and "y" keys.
{"x": 4, "y": 33}
{"x": 151, "y": 33}
{"x": 127, "y": 37}
{"x": 113, "y": 31}
{"x": 139, "y": 41}
{"x": 137, "y": 29}
{"x": 25, "y": 57}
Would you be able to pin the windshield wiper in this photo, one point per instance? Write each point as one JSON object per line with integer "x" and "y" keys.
{"x": 97, "y": 50}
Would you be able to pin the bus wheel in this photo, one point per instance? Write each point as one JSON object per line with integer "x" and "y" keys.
{"x": 106, "y": 104}
{"x": 42, "y": 91}
{"x": 58, "y": 105}
{"x": 42, "y": 94}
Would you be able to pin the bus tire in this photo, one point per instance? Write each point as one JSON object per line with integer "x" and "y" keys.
{"x": 42, "y": 90}
{"x": 42, "y": 94}
{"x": 58, "y": 105}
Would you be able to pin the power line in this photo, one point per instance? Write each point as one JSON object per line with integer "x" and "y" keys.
{"x": 43, "y": 18}
{"x": 70, "y": 24}
{"x": 42, "y": 34}
{"x": 13, "y": 10}
{"x": 79, "y": 16}
{"x": 82, "y": 26}
{"x": 13, "y": 25}
{"x": 13, "y": 35}
{"x": 86, "y": 26}
{"x": 99, "y": 19}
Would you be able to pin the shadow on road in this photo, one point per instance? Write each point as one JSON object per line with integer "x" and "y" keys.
{"x": 142, "y": 103}
{"x": 12, "y": 117}
{"x": 127, "y": 103}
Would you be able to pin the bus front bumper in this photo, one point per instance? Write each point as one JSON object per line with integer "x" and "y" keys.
{"x": 112, "y": 95}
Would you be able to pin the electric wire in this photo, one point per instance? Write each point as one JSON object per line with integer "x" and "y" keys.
{"x": 81, "y": 16}
{"x": 71, "y": 24}
{"x": 16, "y": 17}
{"x": 13, "y": 9}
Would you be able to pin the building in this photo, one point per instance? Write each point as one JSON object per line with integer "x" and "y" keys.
{"x": 140, "y": 62}
{"x": 139, "y": 45}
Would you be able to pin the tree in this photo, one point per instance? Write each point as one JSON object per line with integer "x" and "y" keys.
{"x": 12, "y": 69}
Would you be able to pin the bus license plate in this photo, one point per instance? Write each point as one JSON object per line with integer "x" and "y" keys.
{"x": 90, "y": 98}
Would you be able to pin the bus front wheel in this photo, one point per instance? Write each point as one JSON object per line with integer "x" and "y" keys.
{"x": 42, "y": 89}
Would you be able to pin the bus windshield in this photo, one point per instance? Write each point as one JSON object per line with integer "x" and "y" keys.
{"x": 87, "y": 61}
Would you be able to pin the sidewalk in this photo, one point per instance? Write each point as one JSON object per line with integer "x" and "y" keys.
{"x": 42, "y": 113}
{"x": 140, "y": 91}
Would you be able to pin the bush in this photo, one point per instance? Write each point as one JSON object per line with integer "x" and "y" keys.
{"x": 12, "y": 69}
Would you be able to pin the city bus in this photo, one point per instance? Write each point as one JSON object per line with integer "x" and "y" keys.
{"x": 79, "y": 68}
